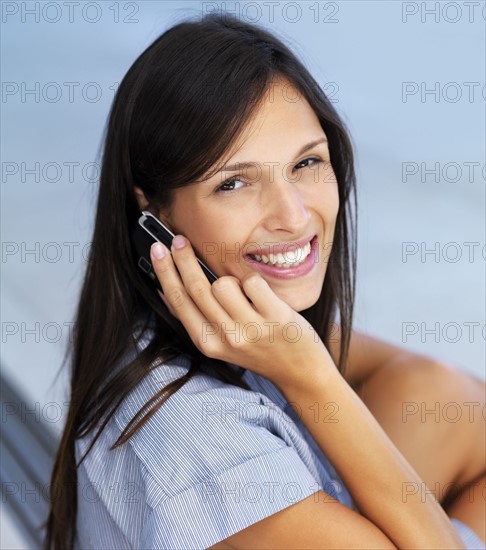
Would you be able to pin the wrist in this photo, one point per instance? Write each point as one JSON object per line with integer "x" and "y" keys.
{"x": 313, "y": 376}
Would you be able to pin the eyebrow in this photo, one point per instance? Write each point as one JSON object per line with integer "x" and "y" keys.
{"x": 242, "y": 165}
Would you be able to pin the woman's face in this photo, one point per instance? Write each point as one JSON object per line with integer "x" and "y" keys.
{"x": 284, "y": 202}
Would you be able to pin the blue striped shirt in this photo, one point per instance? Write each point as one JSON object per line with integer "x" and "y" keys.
{"x": 214, "y": 459}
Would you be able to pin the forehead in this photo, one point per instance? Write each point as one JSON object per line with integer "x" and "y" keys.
{"x": 283, "y": 120}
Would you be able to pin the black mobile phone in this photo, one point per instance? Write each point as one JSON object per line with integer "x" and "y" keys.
{"x": 147, "y": 230}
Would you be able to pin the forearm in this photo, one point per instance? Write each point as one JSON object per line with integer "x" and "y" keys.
{"x": 370, "y": 465}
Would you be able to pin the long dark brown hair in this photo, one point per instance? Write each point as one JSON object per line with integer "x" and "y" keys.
{"x": 177, "y": 111}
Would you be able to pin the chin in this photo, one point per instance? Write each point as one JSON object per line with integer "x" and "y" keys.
{"x": 300, "y": 299}
{"x": 299, "y": 303}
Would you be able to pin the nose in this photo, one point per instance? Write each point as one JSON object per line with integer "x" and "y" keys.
{"x": 285, "y": 207}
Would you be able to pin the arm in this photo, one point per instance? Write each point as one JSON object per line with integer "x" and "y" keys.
{"x": 317, "y": 522}
{"x": 369, "y": 463}
{"x": 376, "y": 483}
{"x": 377, "y": 479}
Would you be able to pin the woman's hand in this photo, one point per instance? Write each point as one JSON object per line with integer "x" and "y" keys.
{"x": 265, "y": 336}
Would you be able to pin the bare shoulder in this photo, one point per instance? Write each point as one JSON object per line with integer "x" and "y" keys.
{"x": 367, "y": 354}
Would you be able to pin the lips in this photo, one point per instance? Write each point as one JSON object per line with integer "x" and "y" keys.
{"x": 290, "y": 272}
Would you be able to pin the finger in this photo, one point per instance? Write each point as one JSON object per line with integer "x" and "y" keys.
{"x": 264, "y": 299}
{"x": 195, "y": 281}
{"x": 228, "y": 291}
{"x": 175, "y": 295}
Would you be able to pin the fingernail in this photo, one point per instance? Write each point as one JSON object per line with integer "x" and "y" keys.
{"x": 179, "y": 241}
{"x": 158, "y": 251}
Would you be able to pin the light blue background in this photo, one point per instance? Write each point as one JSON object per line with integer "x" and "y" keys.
{"x": 363, "y": 59}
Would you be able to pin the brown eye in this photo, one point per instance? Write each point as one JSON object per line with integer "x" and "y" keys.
{"x": 228, "y": 186}
{"x": 316, "y": 160}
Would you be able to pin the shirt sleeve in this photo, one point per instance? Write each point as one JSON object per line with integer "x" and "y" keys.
{"x": 217, "y": 459}
{"x": 470, "y": 539}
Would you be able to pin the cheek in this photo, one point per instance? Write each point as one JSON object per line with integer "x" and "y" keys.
{"x": 332, "y": 201}
{"x": 217, "y": 240}
{"x": 335, "y": 209}
{"x": 326, "y": 205}
{"x": 195, "y": 227}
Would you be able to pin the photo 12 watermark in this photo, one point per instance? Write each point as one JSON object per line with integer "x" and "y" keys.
{"x": 450, "y": 412}
{"x": 252, "y": 332}
{"x": 268, "y": 252}
{"x": 443, "y": 12}
{"x": 92, "y": 492}
{"x": 36, "y": 332}
{"x": 257, "y": 413}
{"x": 50, "y": 252}
{"x": 443, "y": 172}
{"x": 309, "y": 12}
{"x": 268, "y": 491}
{"x": 443, "y": 92}
{"x": 276, "y": 90}
{"x": 450, "y": 332}
{"x": 62, "y": 92}
{"x": 443, "y": 252}
{"x": 52, "y": 412}
{"x": 440, "y": 491}
{"x": 70, "y": 12}
{"x": 66, "y": 171}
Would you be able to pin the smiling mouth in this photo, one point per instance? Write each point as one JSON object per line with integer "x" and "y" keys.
{"x": 287, "y": 259}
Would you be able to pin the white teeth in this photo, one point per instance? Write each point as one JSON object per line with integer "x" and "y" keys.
{"x": 289, "y": 259}
{"x": 291, "y": 255}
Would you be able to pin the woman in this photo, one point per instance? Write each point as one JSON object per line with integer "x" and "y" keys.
{"x": 237, "y": 414}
